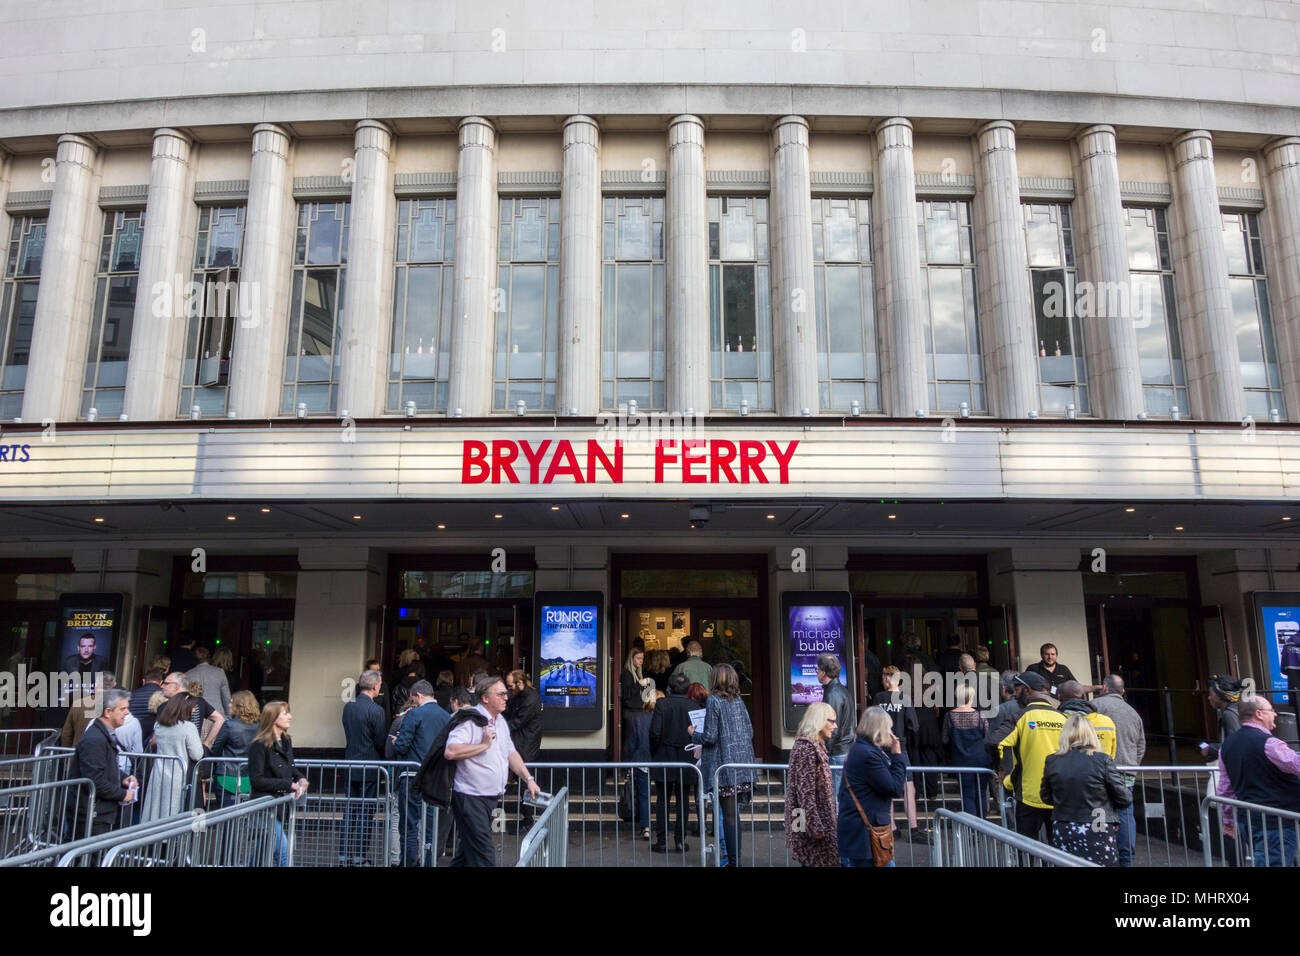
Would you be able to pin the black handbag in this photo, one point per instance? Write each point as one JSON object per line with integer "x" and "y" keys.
{"x": 627, "y": 799}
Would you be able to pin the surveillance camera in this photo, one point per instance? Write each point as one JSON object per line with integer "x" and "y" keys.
{"x": 699, "y": 515}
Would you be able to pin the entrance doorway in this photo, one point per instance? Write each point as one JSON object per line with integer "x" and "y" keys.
{"x": 719, "y": 600}
{"x": 29, "y": 626}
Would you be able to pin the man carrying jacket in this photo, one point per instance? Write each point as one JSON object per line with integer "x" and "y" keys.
{"x": 1036, "y": 735}
{"x": 846, "y": 718}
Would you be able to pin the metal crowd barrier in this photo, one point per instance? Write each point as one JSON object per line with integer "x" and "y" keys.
{"x": 763, "y": 818}
{"x": 355, "y": 812}
{"x": 26, "y": 742}
{"x": 41, "y": 815}
{"x": 962, "y": 839}
{"x": 255, "y": 833}
{"x": 1166, "y": 811}
{"x": 88, "y": 850}
{"x": 1265, "y": 836}
{"x": 47, "y": 768}
{"x": 547, "y": 843}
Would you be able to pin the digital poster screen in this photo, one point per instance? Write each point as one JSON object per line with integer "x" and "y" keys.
{"x": 1277, "y": 619}
{"x": 813, "y": 623}
{"x": 87, "y": 635}
{"x": 568, "y": 659}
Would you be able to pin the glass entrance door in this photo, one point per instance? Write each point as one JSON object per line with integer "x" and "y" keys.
{"x": 260, "y": 640}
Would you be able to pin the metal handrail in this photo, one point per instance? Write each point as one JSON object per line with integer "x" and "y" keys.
{"x": 1215, "y": 800}
{"x": 1008, "y": 839}
{"x": 251, "y": 808}
{"x": 549, "y": 837}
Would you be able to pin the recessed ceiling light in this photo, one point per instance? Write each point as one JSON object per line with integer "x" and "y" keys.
{"x": 1178, "y": 528}
{"x": 893, "y": 516}
{"x": 442, "y": 527}
{"x": 230, "y": 517}
{"x": 770, "y": 517}
{"x": 555, "y": 507}
{"x": 356, "y": 517}
{"x": 1130, "y": 510}
{"x": 1286, "y": 517}
{"x": 496, "y": 516}
{"x": 99, "y": 520}
{"x": 624, "y": 516}
{"x": 266, "y": 511}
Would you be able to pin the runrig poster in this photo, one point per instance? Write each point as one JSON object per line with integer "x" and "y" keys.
{"x": 569, "y": 635}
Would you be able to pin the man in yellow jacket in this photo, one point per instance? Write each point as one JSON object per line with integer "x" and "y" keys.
{"x": 1073, "y": 702}
{"x": 1036, "y": 736}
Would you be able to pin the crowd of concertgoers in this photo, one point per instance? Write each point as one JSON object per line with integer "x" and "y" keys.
{"x": 1055, "y": 752}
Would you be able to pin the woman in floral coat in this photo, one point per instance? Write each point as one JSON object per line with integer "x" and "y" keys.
{"x": 809, "y": 796}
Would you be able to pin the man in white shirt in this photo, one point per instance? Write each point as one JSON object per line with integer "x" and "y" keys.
{"x": 486, "y": 756}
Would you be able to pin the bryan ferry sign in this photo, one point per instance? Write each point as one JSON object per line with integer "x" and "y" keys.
{"x": 691, "y": 461}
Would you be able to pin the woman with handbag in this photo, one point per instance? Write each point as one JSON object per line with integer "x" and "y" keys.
{"x": 809, "y": 793}
{"x": 872, "y": 780}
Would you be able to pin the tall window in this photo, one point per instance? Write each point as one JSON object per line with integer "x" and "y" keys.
{"x": 1248, "y": 285}
{"x": 110, "y": 324}
{"x": 320, "y": 256}
{"x": 528, "y": 317}
{"x": 22, "y": 279}
{"x": 740, "y": 304}
{"x": 212, "y": 319}
{"x": 953, "y": 363}
{"x": 632, "y": 332}
{"x": 1160, "y": 353}
{"x": 423, "y": 286}
{"x": 848, "y": 366}
{"x": 1049, "y": 241}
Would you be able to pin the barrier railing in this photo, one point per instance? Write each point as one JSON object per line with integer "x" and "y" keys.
{"x": 1166, "y": 805}
{"x": 355, "y": 812}
{"x": 40, "y": 815}
{"x": 256, "y": 833}
{"x": 1263, "y": 836}
{"x": 962, "y": 840}
{"x": 761, "y": 821}
{"x": 547, "y": 843}
{"x": 88, "y": 850}
{"x": 47, "y": 768}
{"x": 26, "y": 742}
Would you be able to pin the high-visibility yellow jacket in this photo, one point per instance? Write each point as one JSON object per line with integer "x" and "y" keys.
{"x": 1036, "y": 735}
{"x": 1105, "y": 727}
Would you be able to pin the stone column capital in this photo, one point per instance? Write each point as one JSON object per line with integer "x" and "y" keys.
{"x": 478, "y": 131}
{"x": 1097, "y": 140}
{"x": 581, "y": 130}
{"x": 373, "y": 134}
{"x": 76, "y": 150}
{"x": 1193, "y": 145}
{"x": 789, "y": 131}
{"x": 171, "y": 143}
{"x": 894, "y": 133}
{"x": 1281, "y": 153}
{"x": 685, "y": 130}
{"x": 992, "y": 127}
{"x": 270, "y": 138}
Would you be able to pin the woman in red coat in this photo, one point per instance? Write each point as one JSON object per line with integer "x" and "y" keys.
{"x": 809, "y": 796}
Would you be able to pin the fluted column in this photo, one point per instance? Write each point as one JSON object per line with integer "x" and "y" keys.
{"x": 1109, "y": 334}
{"x": 1282, "y": 257}
{"x": 905, "y": 385}
{"x": 62, "y": 322}
{"x": 793, "y": 298}
{"x": 158, "y": 327}
{"x": 688, "y": 265}
{"x": 257, "y": 355}
{"x": 367, "y": 307}
{"x": 1006, "y": 300}
{"x": 470, "y": 381}
{"x": 1210, "y": 345}
{"x": 579, "y": 358}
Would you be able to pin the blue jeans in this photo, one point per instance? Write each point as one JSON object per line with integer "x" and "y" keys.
{"x": 358, "y": 815}
{"x": 418, "y": 839}
{"x": 847, "y": 861}
{"x": 641, "y": 784}
{"x": 281, "y": 848}
{"x": 1127, "y": 835}
{"x": 838, "y": 778}
{"x": 1275, "y": 841}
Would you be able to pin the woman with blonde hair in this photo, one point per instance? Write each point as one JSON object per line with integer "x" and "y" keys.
{"x": 231, "y": 746}
{"x": 809, "y": 793}
{"x": 631, "y": 682}
{"x": 1078, "y": 781}
{"x": 872, "y": 779}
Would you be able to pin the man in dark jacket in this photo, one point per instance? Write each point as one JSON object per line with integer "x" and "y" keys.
{"x": 846, "y": 717}
{"x": 140, "y": 701}
{"x": 670, "y": 734}
{"x": 363, "y": 728}
{"x": 183, "y": 655}
{"x": 420, "y": 728}
{"x": 524, "y": 715}
{"x": 96, "y": 759}
{"x": 1259, "y": 768}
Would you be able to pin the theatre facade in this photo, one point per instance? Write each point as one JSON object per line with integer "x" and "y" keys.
{"x": 317, "y": 366}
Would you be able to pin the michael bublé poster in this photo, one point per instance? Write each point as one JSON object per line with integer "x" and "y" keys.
{"x": 814, "y": 630}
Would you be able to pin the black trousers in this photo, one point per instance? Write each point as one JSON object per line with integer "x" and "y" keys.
{"x": 667, "y": 784}
{"x": 473, "y": 830}
{"x": 1030, "y": 820}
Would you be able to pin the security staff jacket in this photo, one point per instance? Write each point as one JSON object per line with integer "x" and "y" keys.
{"x": 1035, "y": 736}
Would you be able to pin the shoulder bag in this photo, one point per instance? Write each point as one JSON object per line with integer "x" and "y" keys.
{"x": 882, "y": 837}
